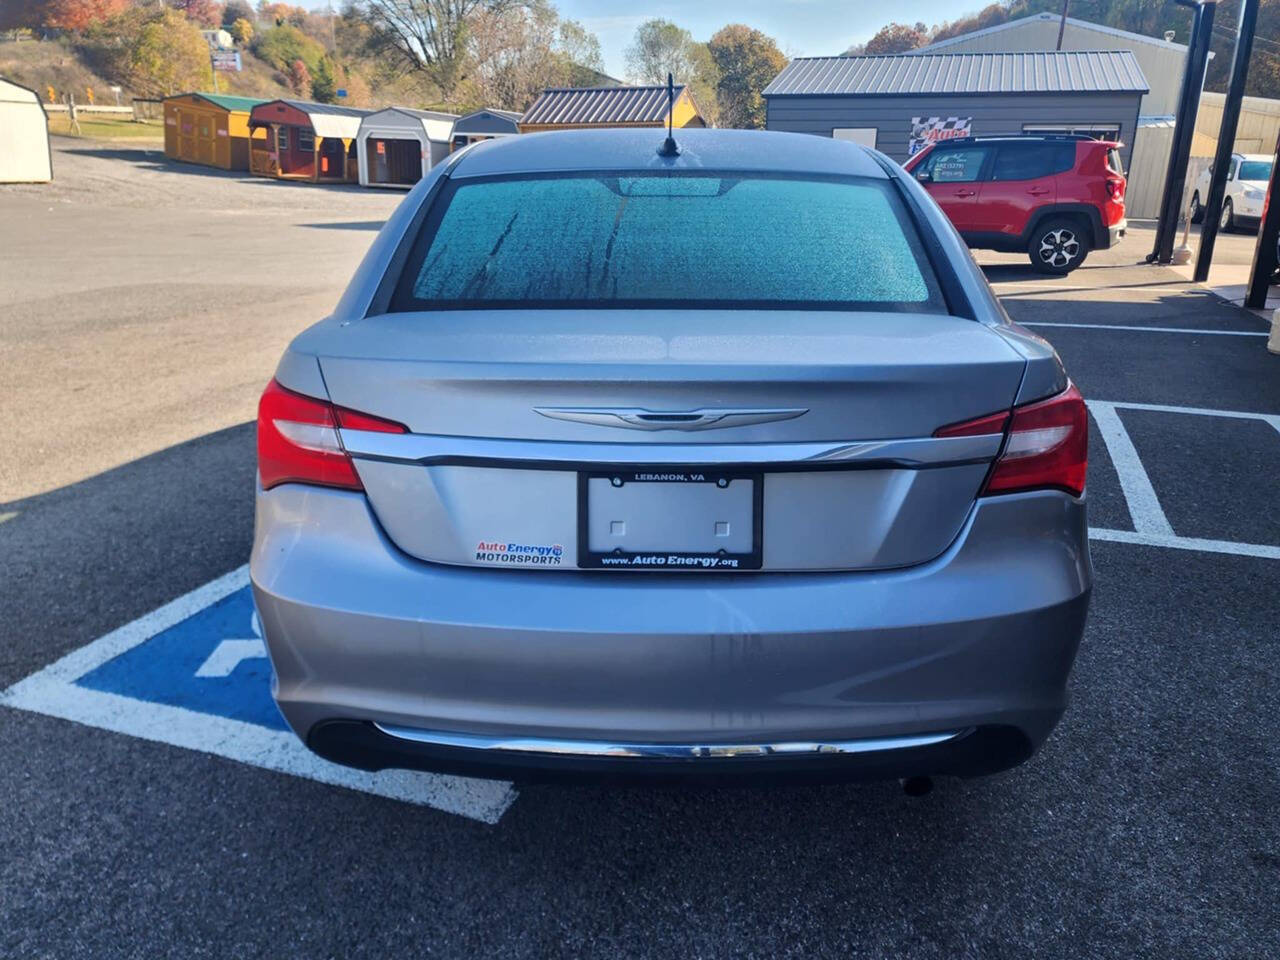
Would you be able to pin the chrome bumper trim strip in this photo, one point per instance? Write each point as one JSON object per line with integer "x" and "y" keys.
{"x": 664, "y": 751}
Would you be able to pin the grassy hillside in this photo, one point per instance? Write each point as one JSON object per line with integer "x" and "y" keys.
{"x": 53, "y": 63}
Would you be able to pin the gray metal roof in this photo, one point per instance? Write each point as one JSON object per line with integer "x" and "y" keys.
{"x": 600, "y": 105}
{"x": 1055, "y": 19}
{"x": 1050, "y": 71}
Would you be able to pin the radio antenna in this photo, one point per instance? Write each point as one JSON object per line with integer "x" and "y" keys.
{"x": 669, "y": 146}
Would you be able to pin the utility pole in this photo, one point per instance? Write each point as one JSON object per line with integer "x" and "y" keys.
{"x": 1062, "y": 22}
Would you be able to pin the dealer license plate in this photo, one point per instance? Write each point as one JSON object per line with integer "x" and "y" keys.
{"x": 666, "y": 518}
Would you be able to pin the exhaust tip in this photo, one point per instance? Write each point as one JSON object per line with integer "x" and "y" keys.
{"x": 917, "y": 786}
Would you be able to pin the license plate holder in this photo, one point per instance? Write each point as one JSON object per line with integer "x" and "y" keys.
{"x": 665, "y": 518}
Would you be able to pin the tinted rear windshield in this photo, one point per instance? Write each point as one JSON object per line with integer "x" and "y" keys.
{"x": 668, "y": 240}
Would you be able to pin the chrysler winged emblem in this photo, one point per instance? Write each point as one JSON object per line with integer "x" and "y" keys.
{"x": 636, "y": 418}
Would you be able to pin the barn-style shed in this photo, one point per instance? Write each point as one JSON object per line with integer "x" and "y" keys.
{"x": 306, "y": 141}
{"x": 397, "y": 146}
{"x": 25, "y": 156}
{"x": 484, "y": 125}
{"x": 209, "y": 128}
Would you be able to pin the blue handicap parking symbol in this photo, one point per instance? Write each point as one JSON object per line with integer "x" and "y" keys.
{"x": 195, "y": 674}
{"x": 214, "y": 662}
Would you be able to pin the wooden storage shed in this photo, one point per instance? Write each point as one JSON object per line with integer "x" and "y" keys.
{"x": 484, "y": 125}
{"x": 209, "y": 128}
{"x": 25, "y": 156}
{"x": 397, "y": 146}
{"x": 306, "y": 141}
{"x": 575, "y": 108}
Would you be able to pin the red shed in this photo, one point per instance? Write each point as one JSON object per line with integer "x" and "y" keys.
{"x": 306, "y": 141}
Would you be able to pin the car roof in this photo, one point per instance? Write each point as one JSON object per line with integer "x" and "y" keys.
{"x": 636, "y": 149}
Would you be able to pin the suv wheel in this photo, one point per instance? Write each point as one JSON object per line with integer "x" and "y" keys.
{"x": 1057, "y": 246}
{"x": 1228, "y": 219}
{"x": 1197, "y": 211}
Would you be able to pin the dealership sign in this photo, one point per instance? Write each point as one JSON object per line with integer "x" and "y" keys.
{"x": 226, "y": 60}
{"x": 927, "y": 130}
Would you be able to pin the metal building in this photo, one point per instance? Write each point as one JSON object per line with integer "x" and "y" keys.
{"x": 484, "y": 125}
{"x": 1161, "y": 61}
{"x": 25, "y": 156}
{"x": 209, "y": 128}
{"x": 574, "y": 108}
{"x": 397, "y": 146}
{"x": 306, "y": 141}
{"x": 899, "y": 103}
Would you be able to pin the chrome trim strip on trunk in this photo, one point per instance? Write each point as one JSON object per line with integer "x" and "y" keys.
{"x": 429, "y": 448}
{"x": 664, "y": 751}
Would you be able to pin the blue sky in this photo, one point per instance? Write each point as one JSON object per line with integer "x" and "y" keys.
{"x": 801, "y": 27}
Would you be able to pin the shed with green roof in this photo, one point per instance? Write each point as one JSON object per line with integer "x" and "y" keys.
{"x": 209, "y": 128}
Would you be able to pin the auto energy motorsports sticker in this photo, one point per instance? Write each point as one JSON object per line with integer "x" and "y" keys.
{"x": 520, "y": 554}
{"x": 195, "y": 674}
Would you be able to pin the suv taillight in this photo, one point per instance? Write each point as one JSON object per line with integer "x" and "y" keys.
{"x": 1115, "y": 188}
{"x": 298, "y": 439}
{"x": 1046, "y": 447}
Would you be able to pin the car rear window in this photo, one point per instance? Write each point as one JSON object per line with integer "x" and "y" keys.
{"x": 668, "y": 240}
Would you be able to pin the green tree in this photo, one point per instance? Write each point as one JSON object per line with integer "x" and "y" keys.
{"x": 324, "y": 88}
{"x": 282, "y": 46}
{"x": 747, "y": 60}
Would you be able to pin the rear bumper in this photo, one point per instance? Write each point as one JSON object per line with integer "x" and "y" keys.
{"x": 979, "y": 641}
{"x": 1115, "y": 233}
{"x": 959, "y": 753}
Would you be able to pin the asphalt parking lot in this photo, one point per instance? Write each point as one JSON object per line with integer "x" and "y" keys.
{"x": 145, "y": 306}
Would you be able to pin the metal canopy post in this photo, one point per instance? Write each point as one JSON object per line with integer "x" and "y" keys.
{"x": 1226, "y": 137}
{"x": 1180, "y": 152}
{"x": 1264, "y": 254}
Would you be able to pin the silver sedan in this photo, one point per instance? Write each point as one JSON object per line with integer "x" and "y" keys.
{"x": 714, "y": 463}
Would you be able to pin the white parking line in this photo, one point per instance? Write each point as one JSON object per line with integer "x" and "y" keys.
{"x": 1117, "y": 326}
{"x": 1152, "y": 527}
{"x": 1139, "y": 494}
{"x": 1187, "y": 543}
{"x": 54, "y": 692}
{"x": 1271, "y": 418}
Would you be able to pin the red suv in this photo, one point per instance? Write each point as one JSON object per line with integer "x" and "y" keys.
{"x": 1056, "y": 197}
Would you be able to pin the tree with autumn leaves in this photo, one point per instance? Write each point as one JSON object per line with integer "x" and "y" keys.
{"x": 746, "y": 61}
{"x": 73, "y": 15}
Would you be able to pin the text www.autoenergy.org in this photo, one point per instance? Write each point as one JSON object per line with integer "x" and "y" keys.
{"x": 670, "y": 560}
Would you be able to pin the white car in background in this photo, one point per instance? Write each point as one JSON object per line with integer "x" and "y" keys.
{"x": 1247, "y": 181}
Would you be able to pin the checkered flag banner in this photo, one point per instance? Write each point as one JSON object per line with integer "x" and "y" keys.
{"x": 927, "y": 130}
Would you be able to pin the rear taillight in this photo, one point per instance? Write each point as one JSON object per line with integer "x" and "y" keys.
{"x": 1047, "y": 446}
{"x": 1115, "y": 188}
{"x": 298, "y": 439}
